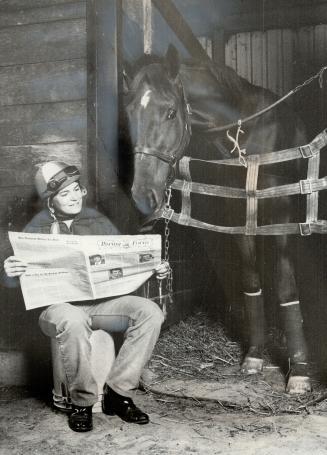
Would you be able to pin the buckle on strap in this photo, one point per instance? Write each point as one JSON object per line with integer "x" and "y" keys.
{"x": 306, "y": 186}
{"x": 167, "y": 213}
{"x": 305, "y": 229}
{"x": 309, "y": 150}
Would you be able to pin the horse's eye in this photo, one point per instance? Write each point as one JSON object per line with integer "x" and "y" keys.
{"x": 171, "y": 113}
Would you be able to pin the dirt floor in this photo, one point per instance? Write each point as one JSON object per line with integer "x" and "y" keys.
{"x": 198, "y": 402}
{"x": 178, "y": 426}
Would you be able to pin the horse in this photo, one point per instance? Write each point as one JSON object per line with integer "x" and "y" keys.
{"x": 167, "y": 100}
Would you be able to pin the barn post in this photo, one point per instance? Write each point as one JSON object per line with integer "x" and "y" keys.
{"x": 147, "y": 27}
{"x": 104, "y": 41}
{"x": 219, "y": 41}
{"x": 180, "y": 27}
{"x": 104, "y": 36}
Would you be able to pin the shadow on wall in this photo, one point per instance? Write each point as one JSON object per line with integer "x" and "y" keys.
{"x": 24, "y": 350}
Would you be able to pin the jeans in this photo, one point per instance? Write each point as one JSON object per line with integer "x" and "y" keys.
{"x": 71, "y": 324}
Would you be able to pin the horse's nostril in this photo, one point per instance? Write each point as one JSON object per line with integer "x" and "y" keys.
{"x": 145, "y": 200}
{"x": 153, "y": 200}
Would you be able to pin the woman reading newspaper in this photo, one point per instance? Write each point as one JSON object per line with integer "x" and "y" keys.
{"x": 58, "y": 185}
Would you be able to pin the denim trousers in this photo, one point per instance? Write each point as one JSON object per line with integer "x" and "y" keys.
{"x": 71, "y": 324}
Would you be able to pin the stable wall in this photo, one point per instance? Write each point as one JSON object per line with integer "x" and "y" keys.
{"x": 42, "y": 117}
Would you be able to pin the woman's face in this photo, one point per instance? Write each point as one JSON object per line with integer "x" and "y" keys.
{"x": 69, "y": 200}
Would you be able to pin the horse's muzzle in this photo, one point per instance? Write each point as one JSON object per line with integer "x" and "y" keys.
{"x": 146, "y": 200}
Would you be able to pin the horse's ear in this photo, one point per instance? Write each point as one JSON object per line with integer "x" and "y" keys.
{"x": 127, "y": 79}
{"x": 172, "y": 61}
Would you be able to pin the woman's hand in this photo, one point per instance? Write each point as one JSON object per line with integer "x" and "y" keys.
{"x": 14, "y": 267}
{"x": 162, "y": 270}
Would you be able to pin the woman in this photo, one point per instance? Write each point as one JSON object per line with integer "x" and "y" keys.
{"x": 71, "y": 324}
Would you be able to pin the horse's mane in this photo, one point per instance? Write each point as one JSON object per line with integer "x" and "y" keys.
{"x": 236, "y": 86}
{"x": 144, "y": 60}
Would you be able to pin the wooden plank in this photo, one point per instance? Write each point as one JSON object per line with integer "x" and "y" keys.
{"x": 257, "y": 58}
{"x": 279, "y": 58}
{"x": 243, "y": 50}
{"x": 104, "y": 88}
{"x": 319, "y": 47}
{"x": 272, "y": 59}
{"x": 43, "y": 123}
{"x": 304, "y": 53}
{"x": 206, "y": 43}
{"x": 49, "y": 112}
{"x": 66, "y": 11}
{"x": 43, "y": 42}
{"x": 14, "y": 5}
{"x": 181, "y": 28}
{"x": 277, "y": 18}
{"x": 264, "y": 61}
{"x": 288, "y": 58}
{"x": 218, "y": 46}
{"x": 104, "y": 26}
{"x": 91, "y": 99}
{"x": 43, "y": 82}
{"x": 15, "y": 208}
{"x": 241, "y": 7}
{"x": 147, "y": 26}
{"x": 231, "y": 53}
{"x": 18, "y": 163}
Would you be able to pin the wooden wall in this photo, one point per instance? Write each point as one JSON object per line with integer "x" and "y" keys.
{"x": 280, "y": 50}
{"x": 42, "y": 117}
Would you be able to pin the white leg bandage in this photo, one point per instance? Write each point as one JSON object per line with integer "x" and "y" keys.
{"x": 296, "y": 302}
{"x": 253, "y": 294}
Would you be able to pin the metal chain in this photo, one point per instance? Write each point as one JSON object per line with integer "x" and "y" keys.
{"x": 169, "y": 278}
{"x": 318, "y": 75}
{"x": 169, "y": 281}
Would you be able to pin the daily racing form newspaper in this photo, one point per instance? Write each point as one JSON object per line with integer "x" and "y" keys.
{"x": 67, "y": 268}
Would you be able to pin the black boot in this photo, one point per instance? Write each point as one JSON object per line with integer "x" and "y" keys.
{"x": 123, "y": 407}
{"x": 81, "y": 418}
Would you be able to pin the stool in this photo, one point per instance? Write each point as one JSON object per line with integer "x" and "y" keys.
{"x": 102, "y": 358}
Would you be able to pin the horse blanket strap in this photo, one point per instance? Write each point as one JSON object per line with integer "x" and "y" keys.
{"x": 309, "y": 187}
{"x": 184, "y": 169}
{"x": 304, "y": 151}
{"x": 251, "y": 197}
{"x": 301, "y": 187}
{"x": 317, "y": 227}
{"x": 312, "y": 196}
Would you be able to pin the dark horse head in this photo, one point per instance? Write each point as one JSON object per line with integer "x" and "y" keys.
{"x": 159, "y": 129}
{"x": 160, "y": 121}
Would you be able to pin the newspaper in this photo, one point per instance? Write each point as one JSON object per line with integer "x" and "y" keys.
{"x": 66, "y": 268}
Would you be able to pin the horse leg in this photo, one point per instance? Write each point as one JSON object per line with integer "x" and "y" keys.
{"x": 289, "y": 303}
{"x": 254, "y": 306}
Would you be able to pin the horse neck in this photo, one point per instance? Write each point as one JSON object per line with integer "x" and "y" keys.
{"x": 214, "y": 101}
{"x": 209, "y": 101}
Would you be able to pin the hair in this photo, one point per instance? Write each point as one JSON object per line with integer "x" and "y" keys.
{"x": 229, "y": 81}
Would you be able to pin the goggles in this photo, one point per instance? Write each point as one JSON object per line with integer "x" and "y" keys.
{"x": 57, "y": 180}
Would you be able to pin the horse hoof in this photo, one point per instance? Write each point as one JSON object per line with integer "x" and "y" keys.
{"x": 298, "y": 385}
{"x": 252, "y": 365}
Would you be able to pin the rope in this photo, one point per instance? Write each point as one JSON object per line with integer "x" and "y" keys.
{"x": 237, "y": 147}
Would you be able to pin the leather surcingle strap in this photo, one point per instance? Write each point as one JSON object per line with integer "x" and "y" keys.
{"x": 251, "y": 197}
{"x": 184, "y": 169}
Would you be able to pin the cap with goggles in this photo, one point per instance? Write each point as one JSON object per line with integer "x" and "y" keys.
{"x": 53, "y": 176}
